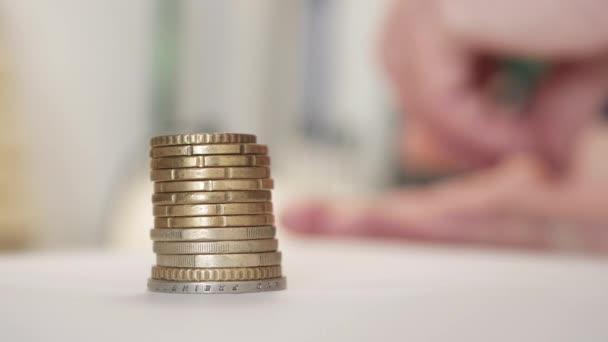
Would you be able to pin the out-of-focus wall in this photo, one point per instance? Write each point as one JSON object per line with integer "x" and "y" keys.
{"x": 302, "y": 74}
{"x": 14, "y": 214}
{"x": 225, "y": 51}
{"x": 361, "y": 102}
{"x": 83, "y": 70}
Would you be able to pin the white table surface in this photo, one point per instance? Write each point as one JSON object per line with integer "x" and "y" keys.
{"x": 338, "y": 291}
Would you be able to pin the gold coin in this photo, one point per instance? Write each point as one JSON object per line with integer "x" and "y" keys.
{"x": 212, "y": 209}
{"x": 220, "y": 260}
{"x": 215, "y": 274}
{"x": 209, "y": 161}
{"x": 216, "y": 247}
{"x": 193, "y": 150}
{"x": 214, "y": 221}
{"x": 213, "y": 234}
{"x": 209, "y": 173}
{"x": 211, "y": 197}
{"x": 202, "y": 138}
{"x": 215, "y": 185}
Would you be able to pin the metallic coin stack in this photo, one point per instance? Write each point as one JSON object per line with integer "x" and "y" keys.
{"x": 213, "y": 223}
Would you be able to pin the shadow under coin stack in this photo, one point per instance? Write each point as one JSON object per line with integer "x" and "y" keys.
{"x": 213, "y": 223}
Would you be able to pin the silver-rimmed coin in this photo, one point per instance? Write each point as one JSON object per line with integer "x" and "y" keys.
{"x": 213, "y": 234}
{"x": 217, "y": 287}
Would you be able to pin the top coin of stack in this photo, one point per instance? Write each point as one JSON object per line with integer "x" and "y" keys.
{"x": 213, "y": 223}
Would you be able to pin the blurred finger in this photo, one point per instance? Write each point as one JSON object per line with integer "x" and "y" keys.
{"x": 485, "y": 210}
{"x": 565, "y": 103}
{"x": 432, "y": 213}
{"x": 435, "y": 81}
{"x": 476, "y": 226}
{"x": 421, "y": 154}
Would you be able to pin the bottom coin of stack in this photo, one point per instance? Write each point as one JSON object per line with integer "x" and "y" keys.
{"x": 213, "y": 223}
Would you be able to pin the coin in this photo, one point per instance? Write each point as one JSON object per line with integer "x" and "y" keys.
{"x": 209, "y": 173}
{"x": 213, "y": 234}
{"x": 214, "y": 221}
{"x": 209, "y": 161}
{"x": 212, "y": 209}
{"x": 202, "y": 138}
{"x": 211, "y": 197}
{"x": 217, "y": 287}
{"x": 216, "y": 247}
{"x": 215, "y": 274}
{"x": 215, "y": 185}
{"x": 219, "y": 260}
{"x": 192, "y": 150}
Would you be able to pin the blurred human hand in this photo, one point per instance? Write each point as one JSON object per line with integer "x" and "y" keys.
{"x": 514, "y": 204}
{"x": 440, "y": 56}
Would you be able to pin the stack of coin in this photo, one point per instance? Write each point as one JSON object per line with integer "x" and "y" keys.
{"x": 213, "y": 223}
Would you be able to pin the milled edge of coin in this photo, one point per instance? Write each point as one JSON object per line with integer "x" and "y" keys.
{"x": 214, "y": 209}
{"x": 220, "y": 260}
{"x": 202, "y": 138}
{"x": 250, "y": 172}
{"x": 214, "y": 221}
{"x": 211, "y": 197}
{"x": 213, "y": 234}
{"x": 215, "y": 274}
{"x": 220, "y": 287}
{"x": 215, "y": 247}
{"x": 215, "y": 185}
{"x": 209, "y": 149}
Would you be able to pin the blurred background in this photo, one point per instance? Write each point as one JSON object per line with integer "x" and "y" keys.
{"x": 86, "y": 84}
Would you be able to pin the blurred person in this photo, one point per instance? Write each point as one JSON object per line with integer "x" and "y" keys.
{"x": 545, "y": 176}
